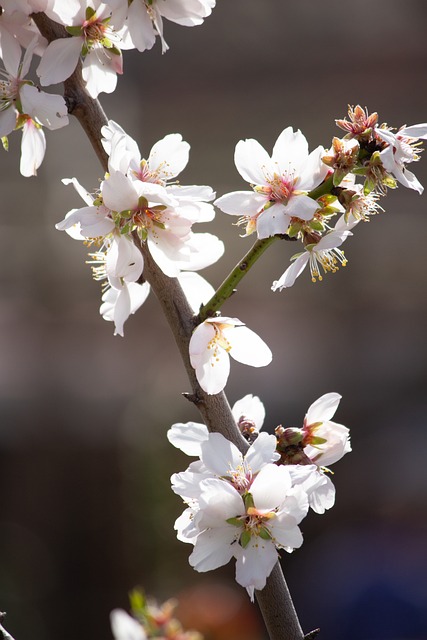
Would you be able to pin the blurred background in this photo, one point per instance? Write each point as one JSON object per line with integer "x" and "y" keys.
{"x": 86, "y": 512}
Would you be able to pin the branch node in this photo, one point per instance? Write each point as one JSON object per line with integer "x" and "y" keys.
{"x": 193, "y": 397}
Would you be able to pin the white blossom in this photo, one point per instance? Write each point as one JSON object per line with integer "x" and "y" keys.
{"x": 325, "y": 254}
{"x": 95, "y": 35}
{"x": 326, "y": 441}
{"x": 145, "y": 20}
{"x": 214, "y": 340}
{"x": 401, "y": 150}
{"x": 280, "y": 183}
{"x": 250, "y": 527}
{"x": 124, "y": 627}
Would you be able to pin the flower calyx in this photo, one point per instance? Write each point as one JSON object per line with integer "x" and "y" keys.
{"x": 290, "y": 445}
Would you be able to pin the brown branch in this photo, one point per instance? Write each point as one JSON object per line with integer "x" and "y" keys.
{"x": 274, "y": 600}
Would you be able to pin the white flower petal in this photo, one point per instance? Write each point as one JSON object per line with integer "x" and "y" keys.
{"x": 169, "y": 156}
{"x": 252, "y": 161}
{"x": 241, "y": 203}
{"x": 255, "y": 563}
{"x": 124, "y": 627}
{"x": 59, "y": 60}
{"x": 220, "y": 455}
{"x": 292, "y": 272}
{"x": 290, "y": 150}
{"x": 33, "y": 147}
{"x": 249, "y": 407}
{"x": 323, "y": 408}
{"x": 248, "y": 348}
{"x": 188, "y": 437}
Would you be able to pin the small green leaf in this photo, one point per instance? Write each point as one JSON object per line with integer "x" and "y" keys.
{"x": 316, "y": 225}
{"x": 236, "y": 522}
{"x": 317, "y": 440}
{"x": 74, "y": 31}
{"x": 264, "y": 533}
{"x": 248, "y": 501}
{"x": 245, "y": 538}
{"x": 142, "y": 234}
{"x": 90, "y": 13}
{"x": 5, "y": 143}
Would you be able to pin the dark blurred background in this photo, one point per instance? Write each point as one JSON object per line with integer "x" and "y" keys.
{"x": 86, "y": 509}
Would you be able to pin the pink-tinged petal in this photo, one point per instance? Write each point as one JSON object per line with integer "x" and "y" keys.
{"x": 33, "y": 147}
{"x": 92, "y": 220}
{"x": 270, "y": 487}
{"x": 301, "y": 206}
{"x": 188, "y": 437}
{"x": 50, "y": 110}
{"x": 313, "y": 172}
{"x": 323, "y": 409}
{"x": 7, "y": 121}
{"x": 10, "y": 52}
{"x": 418, "y": 131}
{"x": 262, "y": 452}
{"x": 290, "y": 151}
{"x": 249, "y": 407}
{"x": 220, "y": 455}
{"x": 255, "y": 563}
{"x": 100, "y": 70}
{"x": 241, "y": 203}
{"x": 252, "y": 162}
{"x": 124, "y": 627}
{"x": 213, "y": 548}
{"x": 119, "y": 193}
{"x": 169, "y": 156}
{"x": 59, "y": 60}
{"x": 140, "y": 26}
{"x": 248, "y": 348}
{"x": 291, "y": 273}
{"x": 272, "y": 221}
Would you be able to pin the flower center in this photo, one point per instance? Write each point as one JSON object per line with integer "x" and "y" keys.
{"x": 219, "y": 341}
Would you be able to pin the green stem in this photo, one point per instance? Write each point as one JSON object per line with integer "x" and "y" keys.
{"x": 322, "y": 189}
{"x": 228, "y": 287}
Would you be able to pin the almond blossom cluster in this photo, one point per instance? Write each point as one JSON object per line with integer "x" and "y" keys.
{"x": 248, "y": 507}
{"x": 95, "y": 33}
{"x": 149, "y": 620}
{"x": 295, "y": 194}
{"x": 138, "y": 198}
